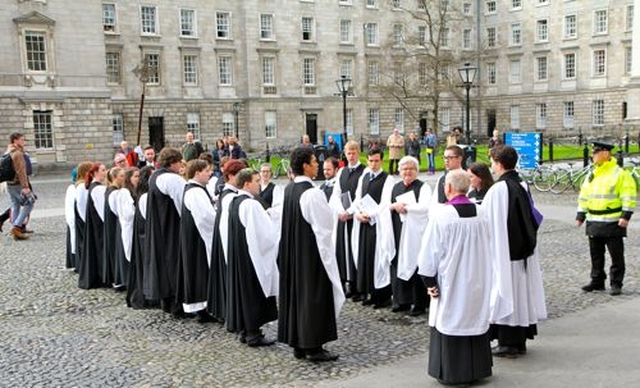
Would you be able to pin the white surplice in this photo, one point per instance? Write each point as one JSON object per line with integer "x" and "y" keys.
{"x": 126, "y": 211}
{"x": 70, "y": 216}
{"x": 411, "y": 235}
{"x": 203, "y": 213}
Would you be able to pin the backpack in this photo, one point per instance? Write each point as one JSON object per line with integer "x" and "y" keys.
{"x": 7, "y": 173}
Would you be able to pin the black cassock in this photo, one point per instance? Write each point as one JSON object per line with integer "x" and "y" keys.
{"x": 90, "y": 269}
{"x": 193, "y": 271}
{"x": 80, "y": 225}
{"x": 111, "y": 231}
{"x": 307, "y": 316}
{"x": 267, "y": 194}
{"x": 348, "y": 183}
{"x": 247, "y": 306}
{"x": 122, "y": 265}
{"x": 135, "y": 296}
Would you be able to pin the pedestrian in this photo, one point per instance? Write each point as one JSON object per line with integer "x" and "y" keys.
{"x": 453, "y": 155}
{"x": 413, "y": 147}
{"x": 455, "y": 261}
{"x": 431, "y": 146}
{"x": 333, "y": 148}
{"x": 191, "y": 149}
{"x": 310, "y": 296}
{"x": 395, "y": 145}
{"x": 606, "y": 202}
{"x": 495, "y": 139}
{"x": 20, "y": 191}
{"x": 149, "y": 158}
{"x": 90, "y": 265}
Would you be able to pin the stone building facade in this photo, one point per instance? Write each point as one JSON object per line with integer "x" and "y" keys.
{"x": 267, "y": 70}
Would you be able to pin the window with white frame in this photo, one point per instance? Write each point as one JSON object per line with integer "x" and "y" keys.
{"x": 598, "y": 112}
{"x": 491, "y": 37}
{"x": 224, "y": 71}
{"x": 516, "y": 4}
{"x": 43, "y": 129}
{"x": 541, "y": 68}
{"x": 153, "y": 65}
{"x": 350, "y": 121}
{"x": 421, "y": 5}
{"x": 398, "y": 34}
{"x": 372, "y": 3}
{"x": 568, "y": 112}
{"x": 444, "y": 38}
{"x": 190, "y": 69}
{"x": 445, "y": 71}
{"x": 371, "y": 34}
{"x": 308, "y": 34}
{"x": 117, "y": 129}
{"x": 422, "y": 73}
{"x": 188, "y": 23}
{"x": 600, "y": 22}
{"x": 542, "y": 30}
{"x": 268, "y": 71}
{"x": 444, "y": 119}
{"x": 396, "y": 4}
{"x": 599, "y": 62}
{"x": 466, "y": 38}
{"x": 309, "y": 71}
{"x": 374, "y": 72}
{"x": 270, "y": 124}
{"x": 514, "y": 116}
{"x": 346, "y": 68}
{"x": 36, "y": 50}
{"x": 514, "y": 71}
{"x": 541, "y": 116}
{"x": 543, "y": 2}
{"x": 490, "y": 6}
{"x": 149, "y": 20}
{"x": 109, "y": 17}
{"x": 422, "y": 35}
{"x": 223, "y": 25}
{"x": 266, "y": 27}
{"x": 491, "y": 73}
{"x": 466, "y": 8}
{"x": 398, "y": 119}
{"x": 629, "y": 18}
{"x": 516, "y": 34}
{"x": 569, "y": 66}
{"x": 570, "y": 26}
{"x": 113, "y": 67}
{"x": 374, "y": 121}
{"x": 228, "y": 124}
{"x": 628, "y": 59}
{"x": 193, "y": 125}
{"x": 345, "y": 31}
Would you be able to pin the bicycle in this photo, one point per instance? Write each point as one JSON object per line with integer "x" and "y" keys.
{"x": 631, "y": 165}
{"x": 570, "y": 177}
{"x": 282, "y": 167}
{"x": 255, "y": 161}
{"x": 542, "y": 177}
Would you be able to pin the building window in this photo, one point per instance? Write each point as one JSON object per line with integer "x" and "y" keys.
{"x": 541, "y": 116}
{"x": 397, "y": 35}
{"x": 491, "y": 37}
{"x": 153, "y": 65}
{"x": 570, "y": 27}
{"x": 43, "y": 129}
{"x": 514, "y": 116}
{"x": 149, "y": 20}
{"x": 569, "y": 66}
{"x": 629, "y": 18}
{"x": 374, "y": 73}
{"x": 266, "y": 27}
{"x": 372, "y": 3}
{"x": 466, "y": 8}
{"x": 346, "y": 68}
{"x": 109, "y": 21}
{"x": 309, "y": 71}
{"x": 224, "y": 71}
{"x": 542, "y": 30}
{"x": 491, "y": 73}
{"x": 600, "y": 22}
{"x": 541, "y": 68}
{"x": 466, "y": 38}
{"x": 113, "y": 68}
{"x": 398, "y": 119}
{"x": 374, "y": 121}
{"x": 36, "y": 48}
{"x": 270, "y": 124}
{"x": 117, "y": 126}
{"x": 268, "y": 71}
{"x": 345, "y": 2}
{"x": 514, "y": 71}
{"x": 568, "y": 114}
{"x": 422, "y": 73}
{"x": 345, "y": 31}
{"x": 371, "y": 34}
{"x": 444, "y": 119}
{"x": 444, "y": 38}
{"x": 188, "y": 23}
{"x": 307, "y": 29}
{"x": 350, "y": 121}
{"x": 193, "y": 125}
{"x": 628, "y": 59}
{"x": 190, "y": 69}
{"x": 543, "y": 2}
{"x": 395, "y": 4}
{"x": 223, "y": 25}
{"x": 599, "y": 62}
{"x": 516, "y": 34}
{"x": 228, "y": 124}
{"x": 598, "y": 112}
{"x": 491, "y": 6}
{"x": 516, "y": 4}
{"x": 422, "y": 35}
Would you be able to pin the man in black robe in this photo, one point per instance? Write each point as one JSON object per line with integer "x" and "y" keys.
{"x": 311, "y": 293}
{"x": 252, "y": 273}
{"x": 329, "y": 169}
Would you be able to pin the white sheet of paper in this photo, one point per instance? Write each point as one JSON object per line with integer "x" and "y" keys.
{"x": 408, "y": 198}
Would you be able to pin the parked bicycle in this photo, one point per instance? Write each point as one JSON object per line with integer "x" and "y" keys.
{"x": 542, "y": 177}
{"x": 570, "y": 177}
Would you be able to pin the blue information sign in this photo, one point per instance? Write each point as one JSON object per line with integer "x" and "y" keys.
{"x": 529, "y": 147}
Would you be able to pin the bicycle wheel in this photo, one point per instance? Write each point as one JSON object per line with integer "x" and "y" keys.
{"x": 562, "y": 181}
{"x": 276, "y": 171}
{"x": 577, "y": 183}
{"x": 543, "y": 179}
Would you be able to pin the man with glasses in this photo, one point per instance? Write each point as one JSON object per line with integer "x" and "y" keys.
{"x": 453, "y": 155}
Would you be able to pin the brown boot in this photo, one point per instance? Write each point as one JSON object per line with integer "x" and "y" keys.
{"x": 17, "y": 234}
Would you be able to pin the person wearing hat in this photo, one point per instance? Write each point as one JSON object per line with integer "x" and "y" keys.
{"x": 606, "y": 202}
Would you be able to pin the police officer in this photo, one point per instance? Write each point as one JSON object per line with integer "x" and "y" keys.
{"x": 606, "y": 202}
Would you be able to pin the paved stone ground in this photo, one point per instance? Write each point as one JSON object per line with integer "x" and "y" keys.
{"x": 54, "y": 334}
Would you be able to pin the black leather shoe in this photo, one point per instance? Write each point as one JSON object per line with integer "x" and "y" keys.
{"x": 323, "y": 355}
{"x": 299, "y": 353}
{"x": 593, "y": 287}
{"x": 400, "y": 308}
{"x": 357, "y": 298}
{"x": 504, "y": 351}
{"x": 382, "y": 305}
{"x": 615, "y": 290}
{"x": 367, "y": 302}
{"x": 416, "y": 312}
{"x": 260, "y": 341}
{"x": 522, "y": 349}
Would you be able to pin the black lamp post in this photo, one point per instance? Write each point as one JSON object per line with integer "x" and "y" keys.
{"x": 236, "y": 111}
{"x": 344, "y": 84}
{"x": 467, "y": 75}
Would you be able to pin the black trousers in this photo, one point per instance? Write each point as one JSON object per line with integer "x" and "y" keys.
{"x": 615, "y": 245}
{"x": 393, "y": 166}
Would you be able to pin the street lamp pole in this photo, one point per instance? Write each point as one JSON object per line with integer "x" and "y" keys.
{"x": 467, "y": 74}
{"x": 344, "y": 84}
{"x": 236, "y": 111}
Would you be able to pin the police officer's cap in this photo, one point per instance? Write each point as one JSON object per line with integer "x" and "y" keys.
{"x": 602, "y": 146}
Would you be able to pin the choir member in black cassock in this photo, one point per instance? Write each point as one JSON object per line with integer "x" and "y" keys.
{"x": 252, "y": 272}
{"x": 115, "y": 177}
{"x": 311, "y": 293}
{"x": 164, "y": 203}
{"x": 89, "y": 266}
{"x": 347, "y": 182}
{"x": 196, "y": 236}
{"x": 329, "y": 169}
{"x": 75, "y": 224}
{"x": 217, "y": 287}
{"x": 124, "y": 204}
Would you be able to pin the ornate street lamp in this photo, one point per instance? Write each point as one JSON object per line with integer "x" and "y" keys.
{"x": 344, "y": 85}
{"x": 142, "y": 71}
{"x": 236, "y": 111}
{"x": 467, "y": 75}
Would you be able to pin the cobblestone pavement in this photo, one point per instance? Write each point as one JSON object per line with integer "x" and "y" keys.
{"x": 54, "y": 334}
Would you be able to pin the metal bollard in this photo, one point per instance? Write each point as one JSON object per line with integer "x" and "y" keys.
{"x": 585, "y": 155}
{"x": 268, "y": 154}
{"x": 550, "y": 149}
{"x": 361, "y": 142}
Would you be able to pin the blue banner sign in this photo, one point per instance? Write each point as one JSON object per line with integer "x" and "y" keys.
{"x": 529, "y": 147}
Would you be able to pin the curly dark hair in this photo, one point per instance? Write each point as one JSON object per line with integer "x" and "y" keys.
{"x": 300, "y": 156}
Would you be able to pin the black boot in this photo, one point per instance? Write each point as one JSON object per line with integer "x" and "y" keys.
{"x": 3, "y": 217}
